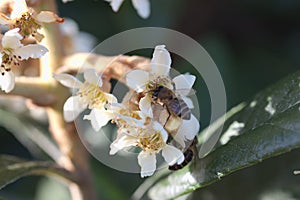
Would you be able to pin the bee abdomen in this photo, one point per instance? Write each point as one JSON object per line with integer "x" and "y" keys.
{"x": 188, "y": 155}
{"x": 180, "y": 108}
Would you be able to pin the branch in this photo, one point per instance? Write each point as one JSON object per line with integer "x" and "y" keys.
{"x": 41, "y": 92}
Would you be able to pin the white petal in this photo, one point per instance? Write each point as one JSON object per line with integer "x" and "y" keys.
{"x": 147, "y": 161}
{"x": 111, "y": 98}
{"x": 137, "y": 80}
{"x": 98, "y": 118}
{"x": 67, "y": 80}
{"x": 48, "y": 17}
{"x": 145, "y": 106}
{"x": 160, "y": 70}
{"x": 73, "y": 107}
{"x": 158, "y": 127}
{"x": 66, "y": 1}
{"x": 14, "y": 32}
{"x": 20, "y": 7}
{"x": 31, "y": 51}
{"x": 172, "y": 155}
{"x": 132, "y": 121}
{"x": 7, "y": 81}
{"x": 142, "y": 7}
{"x": 115, "y": 4}
{"x": 91, "y": 76}
{"x": 184, "y": 83}
{"x": 187, "y": 131}
{"x": 161, "y": 61}
{"x": 11, "y": 39}
{"x": 188, "y": 102}
{"x": 122, "y": 142}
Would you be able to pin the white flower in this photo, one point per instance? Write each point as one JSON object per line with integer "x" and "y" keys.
{"x": 12, "y": 52}
{"x": 27, "y": 20}
{"x": 66, "y": 1}
{"x": 160, "y": 64}
{"x": 142, "y": 6}
{"x": 89, "y": 95}
{"x": 144, "y": 82}
{"x": 151, "y": 139}
{"x": 187, "y": 131}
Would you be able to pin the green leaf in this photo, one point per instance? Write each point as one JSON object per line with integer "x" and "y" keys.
{"x": 31, "y": 134}
{"x": 13, "y": 168}
{"x": 270, "y": 127}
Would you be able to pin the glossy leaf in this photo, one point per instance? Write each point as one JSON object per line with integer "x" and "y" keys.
{"x": 270, "y": 127}
{"x": 13, "y": 168}
{"x": 30, "y": 133}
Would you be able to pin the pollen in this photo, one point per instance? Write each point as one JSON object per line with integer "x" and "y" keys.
{"x": 151, "y": 143}
{"x": 8, "y": 61}
{"x": 28, "y": 26}
{"x": 92, "y": 95}
{"x": 160, "y": 81}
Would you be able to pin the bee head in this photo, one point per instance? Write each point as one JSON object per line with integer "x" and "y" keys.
{"x": 156, "y": 91}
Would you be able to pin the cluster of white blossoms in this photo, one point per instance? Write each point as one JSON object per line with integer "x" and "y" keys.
{"x": 155, "y": 115}
{"x": 142, "y": 6}
{"x": 23, "y": 22}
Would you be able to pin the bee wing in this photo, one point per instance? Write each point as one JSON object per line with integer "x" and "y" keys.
{"x": 185, "y": 98}
{"x": 185, "y": 92}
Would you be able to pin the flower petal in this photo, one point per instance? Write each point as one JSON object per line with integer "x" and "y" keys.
{"x": 67, "y": 80}
{"x": 122, "y": 142}
{"x": 142, "y": 7}
{"x": 99, "y": 118}
{"x": 145, "y": 106}
{"x": 91, "y": 76}
{"x": 20, "y": 7}
{"x": 158, "y": 127}
{"x": 115, "y": 4}
{"x": 147, "y": 161}
{"x": 172, "y": 155}
{"x": 111, "y": 98}
{"x": 11, "y": 39}
{"x": 161, "y": 61}
{"x": 187, "y": 131}
{"x": 48, "y": 17}
{"x": 137, "y": 80}
{"x": 132, "y": 122}
{"x": 184, "y": 83}
{"x": 73, "y": 107}
{"x": 7, "y": 81}
{"x": 66, "y": 1}
{"x": 31, "y": 51}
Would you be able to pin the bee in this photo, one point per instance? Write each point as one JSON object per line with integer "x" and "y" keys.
{"x": 188, "y": 156}
{"x": 175, "y": 105}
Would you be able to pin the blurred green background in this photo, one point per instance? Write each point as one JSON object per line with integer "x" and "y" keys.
{"x": 253, "y": 43}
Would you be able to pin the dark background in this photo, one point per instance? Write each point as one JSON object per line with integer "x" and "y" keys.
{"x": 254, "y": 44}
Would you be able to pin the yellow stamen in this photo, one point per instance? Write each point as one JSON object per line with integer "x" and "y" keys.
{"x": 92, "y": 95}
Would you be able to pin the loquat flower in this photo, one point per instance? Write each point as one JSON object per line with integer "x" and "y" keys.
{"x": 12, "y": 52}
{"x": 142, "y": 6}
{"x": 89, "y": 95}
{"x": 152, "y": 139}
{"x": 27, "y": 20}
{"x": 147, "y": 83}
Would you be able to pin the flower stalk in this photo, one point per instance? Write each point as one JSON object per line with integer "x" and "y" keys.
{"x": 75, "y": 159}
